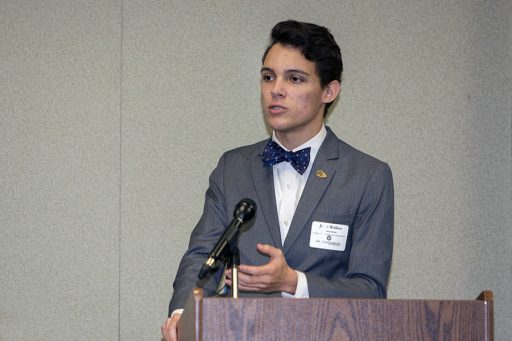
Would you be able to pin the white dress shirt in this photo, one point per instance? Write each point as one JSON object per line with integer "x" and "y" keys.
{"x": 288, "y": 185}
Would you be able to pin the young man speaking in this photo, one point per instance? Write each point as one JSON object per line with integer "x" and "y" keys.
{"x": 324, "y": 221}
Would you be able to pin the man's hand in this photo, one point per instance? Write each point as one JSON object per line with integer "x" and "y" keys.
{"x": 170, "y": 328}
{"x": 276, "y": 275}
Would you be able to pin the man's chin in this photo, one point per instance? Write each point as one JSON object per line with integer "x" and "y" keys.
{"x": 278, "y": 124}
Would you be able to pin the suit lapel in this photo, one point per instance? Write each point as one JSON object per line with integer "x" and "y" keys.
{"x": 264, "y": 185}
{"x": 319, "y": 179}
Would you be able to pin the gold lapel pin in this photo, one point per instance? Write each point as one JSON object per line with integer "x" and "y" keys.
{"x": 321, "y": 174}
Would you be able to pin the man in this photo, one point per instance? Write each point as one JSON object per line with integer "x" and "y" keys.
{"x": 324, "y": 225}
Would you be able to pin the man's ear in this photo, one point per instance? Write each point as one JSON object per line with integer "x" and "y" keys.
{"x": 331, "y": 91}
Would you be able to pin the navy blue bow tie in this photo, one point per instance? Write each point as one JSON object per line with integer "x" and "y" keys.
{"x": 274, "y": 154}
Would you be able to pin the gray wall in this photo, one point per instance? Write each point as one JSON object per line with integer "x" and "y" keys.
{"x": 113, "y": 114}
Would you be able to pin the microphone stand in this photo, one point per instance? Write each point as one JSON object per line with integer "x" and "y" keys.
{"x": 234, "y": 262}
{"x": 231, "y": 257}
{"x": 226, "y": 250}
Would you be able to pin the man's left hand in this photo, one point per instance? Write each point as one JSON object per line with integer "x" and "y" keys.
{"x": 276, "y": 275}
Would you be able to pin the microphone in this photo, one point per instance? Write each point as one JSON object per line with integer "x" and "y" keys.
{"x": 244, "y": 212}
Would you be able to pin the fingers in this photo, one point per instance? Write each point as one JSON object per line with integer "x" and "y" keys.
{"x": 273, "y": 253}
{"x": 269, "y": 250}
{"x": 249, "y": 277}
{"x": 170, "y": 328}
{"x": 275, "y": 275}
{"x": 253, "y": 270}
{"x": 276, "y": 258}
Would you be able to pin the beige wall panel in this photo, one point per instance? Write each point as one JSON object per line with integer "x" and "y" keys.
{"x": 59, "y": 170}
{"x": 190, "y": 92}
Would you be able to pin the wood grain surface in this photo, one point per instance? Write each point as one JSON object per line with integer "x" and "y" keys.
{"x": 340, "y": 319}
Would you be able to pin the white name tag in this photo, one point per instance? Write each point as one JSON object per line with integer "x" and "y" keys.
{"x": 328, "y": 236}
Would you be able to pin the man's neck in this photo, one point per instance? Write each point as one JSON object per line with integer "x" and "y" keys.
{"x": 291, "y": 141}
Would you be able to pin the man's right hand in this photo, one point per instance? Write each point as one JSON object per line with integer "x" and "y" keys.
{"x": 170, "y": 328}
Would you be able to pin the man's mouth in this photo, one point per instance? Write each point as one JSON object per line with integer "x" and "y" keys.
{"x": 276, "y": 109}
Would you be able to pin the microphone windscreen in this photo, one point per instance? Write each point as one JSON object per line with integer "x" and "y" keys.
{"x": 245, "y": 210}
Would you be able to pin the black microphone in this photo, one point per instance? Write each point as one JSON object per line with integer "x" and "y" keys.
{"x": 244, "y": 212}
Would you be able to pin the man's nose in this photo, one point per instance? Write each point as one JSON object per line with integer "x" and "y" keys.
{"x": 278, "y": 89}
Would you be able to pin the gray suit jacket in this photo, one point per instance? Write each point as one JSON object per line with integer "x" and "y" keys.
{"x": 357, "y": 191}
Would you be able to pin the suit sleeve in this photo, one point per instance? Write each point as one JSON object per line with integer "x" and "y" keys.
{"x": 372, "y": 245}
{"x": 202, "y": 240}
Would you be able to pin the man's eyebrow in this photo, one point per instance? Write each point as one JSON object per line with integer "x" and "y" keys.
{"x": 302, "y": 72}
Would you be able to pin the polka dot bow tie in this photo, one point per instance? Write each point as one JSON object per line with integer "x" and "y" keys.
{"x": 274, "y": 154}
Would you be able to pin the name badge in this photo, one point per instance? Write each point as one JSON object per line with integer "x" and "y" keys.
{"x": 328, "y": 236}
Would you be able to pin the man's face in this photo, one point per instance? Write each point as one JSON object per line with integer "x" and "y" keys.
{"x": 292, "y": 97}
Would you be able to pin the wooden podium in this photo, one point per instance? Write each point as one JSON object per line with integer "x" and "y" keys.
{"x": 335, "y": 319}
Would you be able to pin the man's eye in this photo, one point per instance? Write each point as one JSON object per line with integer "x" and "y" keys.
{"x": 296, "y": 79}
{"x": 267, "y": 78}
